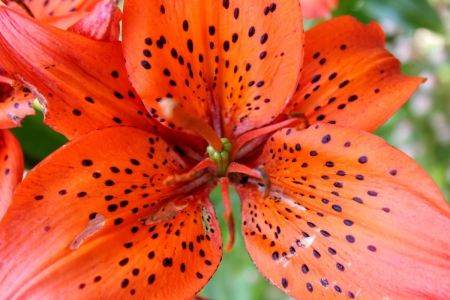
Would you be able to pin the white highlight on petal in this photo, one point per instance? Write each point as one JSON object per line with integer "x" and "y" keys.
{"x": 34, "y": 90}
{"x": 282, "y": 198}
{"x": 93, "y": 227}
{"x": 166, "y": 212}
{"x": 307, "y": 241}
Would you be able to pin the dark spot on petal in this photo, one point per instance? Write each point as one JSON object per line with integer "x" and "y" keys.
{"x": 372, "y": 248}
{"x": 350, "y": 238}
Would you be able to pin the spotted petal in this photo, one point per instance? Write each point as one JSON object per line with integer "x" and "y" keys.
{"x": 347, "y": 215}
{"x": 14, "y": 105}
{"x": 73, "y": 229}
{"x": 349, "y": 78}
{"x": 11, "y": 168}
{"x": 82, "y": 83}
{"x": 239, "y": 61}
{"x": 58, "y": 13}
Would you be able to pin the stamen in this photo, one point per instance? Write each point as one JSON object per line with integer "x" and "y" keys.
{"x": 17, "y": 86}
{"x": 301, "y": 116}
{"x": 4, "y": 79}
{"x": 246, "y": 137}
{"x": 23, "y": 6}
{"x": 174, "y": 112}
{"x": 259, "y": 173}
{"x": 194, "y": 173}
{"x": 188, "y": 187}
{"x": 228, "y": 212}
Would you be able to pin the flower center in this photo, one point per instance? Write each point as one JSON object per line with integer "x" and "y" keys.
{"x": 218, "y": 149}
{"x": 222, "y": 153}
{"x": 222, "y": 158}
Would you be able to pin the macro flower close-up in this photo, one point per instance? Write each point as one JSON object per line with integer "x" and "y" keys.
{"x": 234, "y": 94}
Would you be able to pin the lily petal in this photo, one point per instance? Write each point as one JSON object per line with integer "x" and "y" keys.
{"x": 42, "y": 8}
{"x": 78, "y": 212}
{"x": 101, "y": 24}
{"x": 14, "y": 105}
{"x": 347, "y": 215}
{"x": 81, "y": 83}
{"x": 315, "y": 9}
{"x": 212, "y": 55}
{"x": 58, "y": 13}
{"x": 349, "y": 78}
{"x": 11, "y": 168}
{"x": 15, "y": 108}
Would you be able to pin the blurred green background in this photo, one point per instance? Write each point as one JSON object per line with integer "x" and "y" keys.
{"x": 418, "y": 33}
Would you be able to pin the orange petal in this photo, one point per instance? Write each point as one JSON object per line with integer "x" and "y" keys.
{"x": 101, "y": 24}
{"x": 349, "y": 78}
{"x": 58, "y": 13}
{"x": 211, "y": 56}
{"x": 315, "y": 9}
{"x": 14, "y": 106}
{"x": 11, "y": 168}
{"x": 64, "y": 21}
{"x": 82, "y": 83}
{"x": 73, "y": 230}
{"x": 348, "y": 215}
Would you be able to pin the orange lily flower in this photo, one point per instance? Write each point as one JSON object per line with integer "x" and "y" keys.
{"x": 102, "y": 23}
{"x": 11, "y": 158}
{"x": 327, "y": 209}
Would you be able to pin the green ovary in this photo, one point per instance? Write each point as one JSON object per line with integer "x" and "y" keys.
{"x": 222, "y": 158}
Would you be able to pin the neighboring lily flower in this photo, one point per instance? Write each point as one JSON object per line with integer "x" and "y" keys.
{"x": 102, "y": 23}
{"x": 11, "y": 168}
{"x": 123, "y": 208}
{"x": 315, "y": 9}
{"x": 58, "y": 13}
{"x": 11, "y": 158}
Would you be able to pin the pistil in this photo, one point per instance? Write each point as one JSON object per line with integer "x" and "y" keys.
{"x": 222, "y": 158}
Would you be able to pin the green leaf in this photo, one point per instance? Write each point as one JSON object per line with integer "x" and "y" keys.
{"x": 409, "y": 14}
{"x": 37, "y": 139}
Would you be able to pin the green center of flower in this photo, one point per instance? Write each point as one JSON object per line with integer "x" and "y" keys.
{"x": 222, "y": 158}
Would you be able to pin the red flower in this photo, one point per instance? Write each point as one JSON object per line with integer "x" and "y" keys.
{"x": 123, "y": 208}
